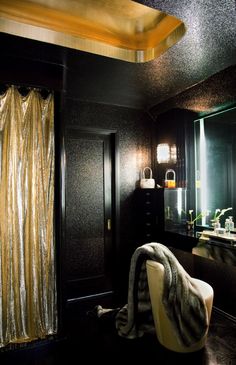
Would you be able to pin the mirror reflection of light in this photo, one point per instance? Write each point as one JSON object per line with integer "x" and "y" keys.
{"x": 166, "y": 153}
{"x": 179, "y": 202}
{"x": 203, "y": 170}
{"x": 163, "y": 153}
{"x": 173, "y": 153}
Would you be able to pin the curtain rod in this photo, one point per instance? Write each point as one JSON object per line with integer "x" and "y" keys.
{"x": 24, "y": 89}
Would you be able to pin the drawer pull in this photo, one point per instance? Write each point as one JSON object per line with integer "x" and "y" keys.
{"x": 109, "y": 224}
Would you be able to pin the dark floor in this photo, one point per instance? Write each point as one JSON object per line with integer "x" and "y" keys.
{"x": 101, "y": 343}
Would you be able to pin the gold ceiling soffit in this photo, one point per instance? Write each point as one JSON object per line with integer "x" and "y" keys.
{"x": 120, "y": 29}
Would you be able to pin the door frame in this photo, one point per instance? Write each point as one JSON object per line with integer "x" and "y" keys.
{"x": 115, "y": 188}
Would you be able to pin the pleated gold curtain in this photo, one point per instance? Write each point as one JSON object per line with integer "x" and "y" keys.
{"x": 28, "y": 307}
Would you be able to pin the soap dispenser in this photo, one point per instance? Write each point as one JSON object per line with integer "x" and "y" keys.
{"x": 227, "y": 226}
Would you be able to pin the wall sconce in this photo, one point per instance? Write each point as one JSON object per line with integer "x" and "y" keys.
{"x": 166, "y": 153}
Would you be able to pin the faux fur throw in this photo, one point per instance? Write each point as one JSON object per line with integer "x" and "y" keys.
{"x": 181, "y": 298}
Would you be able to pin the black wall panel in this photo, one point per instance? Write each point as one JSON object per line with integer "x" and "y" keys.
{"x": 133, "y": 128}
{"x": 26, "y": 62}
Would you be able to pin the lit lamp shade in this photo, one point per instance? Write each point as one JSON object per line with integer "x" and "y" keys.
{"x": 166, "y": 153}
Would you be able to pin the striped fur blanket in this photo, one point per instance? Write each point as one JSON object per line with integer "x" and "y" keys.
{"x": 181, "y": 298}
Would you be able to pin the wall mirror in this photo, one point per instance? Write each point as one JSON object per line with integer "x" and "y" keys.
{"x": 215, "y": 165}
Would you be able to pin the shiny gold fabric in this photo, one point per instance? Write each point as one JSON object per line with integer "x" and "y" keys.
{"x": 28, "y": 308}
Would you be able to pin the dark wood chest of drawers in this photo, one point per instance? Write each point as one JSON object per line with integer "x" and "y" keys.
{"x": 149, "y": 214}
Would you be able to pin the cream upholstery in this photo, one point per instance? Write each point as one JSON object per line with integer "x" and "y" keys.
{"x": 164, "y": 328}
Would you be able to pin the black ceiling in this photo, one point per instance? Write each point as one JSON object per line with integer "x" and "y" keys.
{"x": 207, "y": 49}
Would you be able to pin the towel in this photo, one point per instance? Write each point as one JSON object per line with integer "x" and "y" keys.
{"x": 181, "y": 297}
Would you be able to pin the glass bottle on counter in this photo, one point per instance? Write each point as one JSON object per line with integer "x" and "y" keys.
{"x": 231, "y": 224}
{"x": 227, "y": 226}
{"x": 216, "y": 225}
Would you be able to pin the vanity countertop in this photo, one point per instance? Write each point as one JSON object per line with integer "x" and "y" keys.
{"x": 211, "y": 234}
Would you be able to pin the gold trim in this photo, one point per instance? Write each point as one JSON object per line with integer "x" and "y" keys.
{"x": 119, "y": 29}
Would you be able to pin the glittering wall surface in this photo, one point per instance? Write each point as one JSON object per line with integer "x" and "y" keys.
{"x": 105, "y": 93}
{"x": 85, "y": 215}
{"x": 208, "y": 46}
{"x": 134, "y": 133}
{"x": 217, "y": 92}
{"x": 98, "y": 93}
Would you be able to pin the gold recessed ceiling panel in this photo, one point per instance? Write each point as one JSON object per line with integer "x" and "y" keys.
{"x": 119, "y": 29}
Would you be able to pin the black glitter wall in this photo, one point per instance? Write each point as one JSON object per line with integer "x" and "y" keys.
{"x": 99, "y": 92}
{"x": 133, "y": 129}
{"x": 84, "y": 213}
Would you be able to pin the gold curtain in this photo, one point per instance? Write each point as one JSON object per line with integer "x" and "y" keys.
{"x": 28, "y": 308}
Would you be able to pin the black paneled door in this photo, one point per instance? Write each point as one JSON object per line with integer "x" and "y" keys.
{"x": 89, "y": 211}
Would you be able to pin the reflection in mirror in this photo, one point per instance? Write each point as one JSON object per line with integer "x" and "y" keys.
{"x": 216, "y": 247}
{"x": 175, "y": 207}
{"x": 215, "y": 160}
